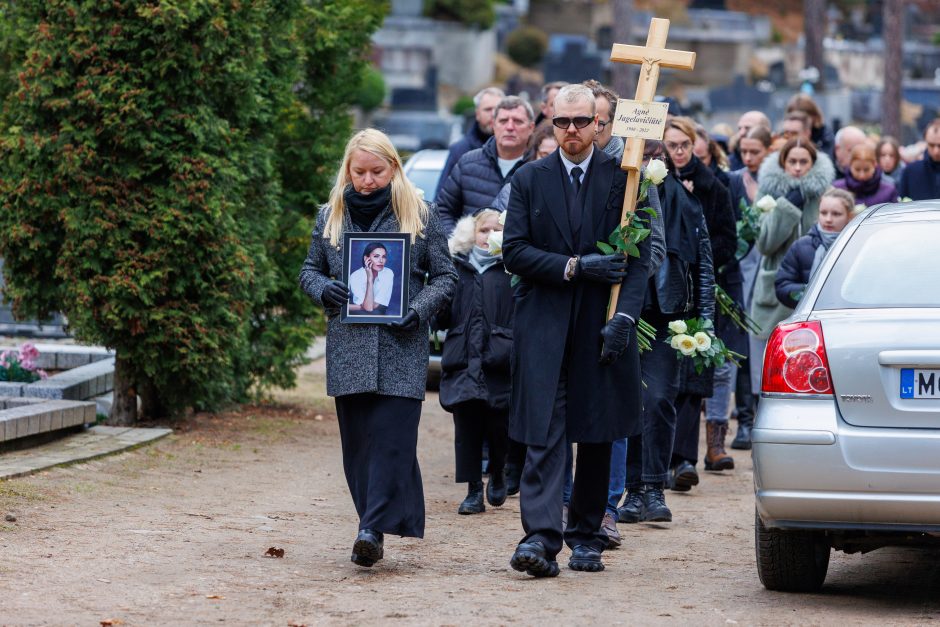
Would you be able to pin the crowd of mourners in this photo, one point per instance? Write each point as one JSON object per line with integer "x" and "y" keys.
{"x": 744, "y": 213}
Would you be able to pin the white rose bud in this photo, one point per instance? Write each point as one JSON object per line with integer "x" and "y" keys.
{"x": 702, "y": 341}
{"x": 502, "y": 218}
{"x": 495, "y": 242}
{"x": 656, "y": 171}
{"x": 678, "y": 327}
{"x": 766, "y": 203}
{"x": 686, "y": 344}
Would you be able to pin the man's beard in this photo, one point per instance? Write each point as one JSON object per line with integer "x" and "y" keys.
{"x": 581, "y": 155}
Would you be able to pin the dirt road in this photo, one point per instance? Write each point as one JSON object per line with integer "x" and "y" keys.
{"x": 175, "y": 534}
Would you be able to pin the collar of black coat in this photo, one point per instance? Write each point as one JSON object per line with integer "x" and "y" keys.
{"x": 699, "y": 173}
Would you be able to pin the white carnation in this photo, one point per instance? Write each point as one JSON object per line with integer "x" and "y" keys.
{"x": 766, "y": 203}
{"x": 678, "y": 327}
{"x": 686, "y": 344}
{"x": 495, "y": 242}
{"x": 702, "y": 341}
{"x": 656, "y": 171}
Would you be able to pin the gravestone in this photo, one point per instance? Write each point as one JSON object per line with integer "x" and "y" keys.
{"x": 52, "y": 328}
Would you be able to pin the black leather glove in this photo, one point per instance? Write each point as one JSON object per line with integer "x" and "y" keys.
{"x": 616, "y": 335}
{"x": 408, "y": 323}
{"x": 335, "y": 294}
{"x": 795, "y": 196}
{"x": 603, "y": 268}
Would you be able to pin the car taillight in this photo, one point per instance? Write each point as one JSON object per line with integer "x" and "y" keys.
{"x": 795, "y": 360}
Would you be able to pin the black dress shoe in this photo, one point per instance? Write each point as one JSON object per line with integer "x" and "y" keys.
{"x": 473, "y": 503}
{"x": 654, "y": 505}
{"x": 585, "y": 559}
{"x": 632, "y": 508}
{"x": 530, "y": 558}
{"x": 496, "y": 488}
{"x": 513, "y": 477}
{"x": 368, "y": 548}
{"x": 683, "y": 477}
{"x": 742, "y": 439}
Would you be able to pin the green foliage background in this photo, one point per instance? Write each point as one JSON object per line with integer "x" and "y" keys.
{"x": 478, "y": 13}
{"x": 161, "y": 164}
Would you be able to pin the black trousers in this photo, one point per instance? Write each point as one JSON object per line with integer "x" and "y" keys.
{"x": 688, "y": 428}
{"x": 649, "y": 452}
{"x": 543, "y": 479}
{"x": 474, "y": 421}
{"x": 380, "y": 439}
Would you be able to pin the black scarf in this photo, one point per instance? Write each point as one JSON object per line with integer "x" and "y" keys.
{"x": 681, "y": 211}
{"x": 363, "y": 208}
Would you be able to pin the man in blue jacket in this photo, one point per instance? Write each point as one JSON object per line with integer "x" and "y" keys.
{"x": 480, "y": 174}
{"x": 921, "y": 180}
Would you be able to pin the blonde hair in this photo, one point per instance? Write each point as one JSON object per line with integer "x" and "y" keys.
{"x": 410, "y": 210}
{"x": 845, "y": 197}
{"x": 465, "y": 233}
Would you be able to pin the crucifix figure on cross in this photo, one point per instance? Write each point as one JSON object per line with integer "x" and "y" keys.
{"x": 653, "y": 56}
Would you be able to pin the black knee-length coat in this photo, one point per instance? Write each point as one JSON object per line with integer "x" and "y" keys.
{"x": 555, "y": 318}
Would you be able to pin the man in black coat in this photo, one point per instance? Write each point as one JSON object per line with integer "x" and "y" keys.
{"x": 480, "y": 174}
{"x": 576, "y": 375}
{"x": 921, "y": 180}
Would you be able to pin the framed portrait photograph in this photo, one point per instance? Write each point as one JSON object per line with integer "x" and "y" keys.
{"x": 376, "y": 269}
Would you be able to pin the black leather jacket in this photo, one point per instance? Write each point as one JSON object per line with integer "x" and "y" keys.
{"x": 680, "y": 287}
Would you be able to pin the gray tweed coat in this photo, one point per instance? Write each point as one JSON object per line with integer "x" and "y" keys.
{"x": 373, "y": 357}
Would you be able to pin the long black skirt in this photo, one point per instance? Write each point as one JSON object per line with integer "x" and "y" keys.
{"x": 380, "y": 439}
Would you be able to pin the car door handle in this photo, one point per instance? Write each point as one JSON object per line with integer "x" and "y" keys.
{"x": 909, "y": 358}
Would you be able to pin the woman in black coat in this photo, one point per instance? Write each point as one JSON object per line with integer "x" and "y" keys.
{"x": 720, "y": 219}
{"x": 475, "y": 379}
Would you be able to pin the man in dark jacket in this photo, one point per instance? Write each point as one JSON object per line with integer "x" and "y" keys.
{"x": 575, "y": 375}
{"x": 478, "y": 176}
{"x": 484, "y": 105}
{"x": 921, "y": 180}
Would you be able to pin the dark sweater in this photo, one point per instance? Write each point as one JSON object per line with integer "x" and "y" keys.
{"x": 921, "y": 180}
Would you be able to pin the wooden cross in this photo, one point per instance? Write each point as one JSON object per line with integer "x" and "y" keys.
{"x": 652, "y": 57}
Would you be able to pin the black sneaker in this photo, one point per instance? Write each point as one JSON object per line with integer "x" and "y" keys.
{"x": 632, "y": 507}
{"x": 654, "y": 506}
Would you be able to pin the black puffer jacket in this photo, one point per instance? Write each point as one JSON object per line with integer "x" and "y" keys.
{"x": 794, "y": 271}
{"x": 475, "y": 363}
{"x": 473, "y": 184}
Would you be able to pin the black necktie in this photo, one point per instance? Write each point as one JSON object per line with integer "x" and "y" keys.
{"x": 576, "y": 173}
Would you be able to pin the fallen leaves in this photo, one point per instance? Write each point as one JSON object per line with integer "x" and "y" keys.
{"x": 274, "y": 552}
{"x": 214, "y": 596}
{"x": 109, "y": 622}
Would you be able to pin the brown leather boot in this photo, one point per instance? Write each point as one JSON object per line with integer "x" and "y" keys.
{"x": 717, "y": 458}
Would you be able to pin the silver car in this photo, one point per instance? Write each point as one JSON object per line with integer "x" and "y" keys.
{"x": 846, "y": 444}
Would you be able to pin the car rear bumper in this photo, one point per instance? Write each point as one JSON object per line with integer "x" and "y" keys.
{"x": 812, "y": 470}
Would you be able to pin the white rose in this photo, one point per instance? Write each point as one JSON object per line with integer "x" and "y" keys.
{"x": 860, "y": 207}
{"x": 502, "y": 218}
{"x": 702, "y": 341}
{"x": 686, "y": 344}
{"x": 678, "y": 327}
{"x": 656, "y": 171}
{"x": 495, "y": 242}
{"x": 674, "y": 342}
{"x": 766, "y": 203}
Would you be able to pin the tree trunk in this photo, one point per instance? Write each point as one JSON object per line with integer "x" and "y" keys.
{"x": 124, "y": 407}
{"x": 893, "y": 15}
{"x": 622, "y": 74}
{"x": 814, "y": 29}
{"x": 152, "y": 406}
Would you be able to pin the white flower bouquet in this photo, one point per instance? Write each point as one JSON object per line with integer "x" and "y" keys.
{"x": 696, "y": 340}
{"x": 749, "y": 224}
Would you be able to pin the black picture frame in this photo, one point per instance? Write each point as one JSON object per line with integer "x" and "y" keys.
{"x": 394, "y": 288}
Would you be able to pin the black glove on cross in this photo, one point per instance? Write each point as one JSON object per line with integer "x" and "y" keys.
{"x": 616, "y": 335}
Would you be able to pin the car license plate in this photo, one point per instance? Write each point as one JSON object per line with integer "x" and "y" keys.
{"x": 917, "y": 383}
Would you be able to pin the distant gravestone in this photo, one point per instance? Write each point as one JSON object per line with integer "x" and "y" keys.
{"x": 52, "y": 328}
{"x": 573, "y": 59}
{"x": 738, "y": 96}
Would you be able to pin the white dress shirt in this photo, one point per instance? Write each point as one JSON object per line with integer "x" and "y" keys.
{"x": 381, "y": 286}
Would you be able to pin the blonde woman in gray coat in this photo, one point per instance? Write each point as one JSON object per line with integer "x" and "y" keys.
{"x": 377, "y": 372}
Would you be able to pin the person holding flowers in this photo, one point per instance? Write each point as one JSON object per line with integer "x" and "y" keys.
{"x": 475, "y": 362}
{"x": 688, "y": 263}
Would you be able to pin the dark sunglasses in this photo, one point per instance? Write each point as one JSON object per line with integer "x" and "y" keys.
{"x": 579, "y": 122}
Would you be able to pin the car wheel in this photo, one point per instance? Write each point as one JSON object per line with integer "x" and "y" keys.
{"x": 790, "y": 560}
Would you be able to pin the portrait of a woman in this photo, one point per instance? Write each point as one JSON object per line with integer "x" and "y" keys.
{"x": 371, "y": 285}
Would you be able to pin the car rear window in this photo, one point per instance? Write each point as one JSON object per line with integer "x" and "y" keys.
{"x": 886, "y": 265}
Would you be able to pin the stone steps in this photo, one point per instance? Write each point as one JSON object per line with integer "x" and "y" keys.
{"x": 22, "y": 417}
{"x": 78, "y": 383}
